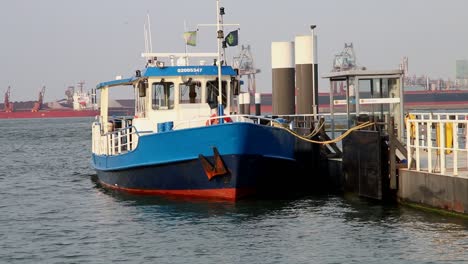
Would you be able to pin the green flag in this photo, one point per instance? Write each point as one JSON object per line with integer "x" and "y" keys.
{"x": 190, "y": 38}
{"x": 232, "y": 38}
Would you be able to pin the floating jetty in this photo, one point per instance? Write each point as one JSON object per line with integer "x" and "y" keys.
{"x": 417, "y": 157}
{"x": 437, "y": 171}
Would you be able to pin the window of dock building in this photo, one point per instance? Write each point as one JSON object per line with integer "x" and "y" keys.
{"x": 163, "y": 95}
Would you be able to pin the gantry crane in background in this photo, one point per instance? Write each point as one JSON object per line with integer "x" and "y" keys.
{"x": 344, "y": 61}
{"x": 7, "y": 106}
{"x": 69, "y": 92}
{"x": 37, "y": 105}
{"x": 245, "y": 63}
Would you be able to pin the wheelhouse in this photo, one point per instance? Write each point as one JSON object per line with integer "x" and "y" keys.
{"x": 184, "y": 95}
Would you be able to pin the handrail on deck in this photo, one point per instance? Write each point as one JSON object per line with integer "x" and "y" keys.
{"x": 437, "y": 142}
{"x": 115, "y": 142}
{"x": 125, "y": 139}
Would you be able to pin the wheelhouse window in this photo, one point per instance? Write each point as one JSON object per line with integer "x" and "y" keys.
{"x": 190, "y": 92}
{"x": 163, "y": 95}
{"x": 140, "y": 95}
{"x": 213, "y": 92}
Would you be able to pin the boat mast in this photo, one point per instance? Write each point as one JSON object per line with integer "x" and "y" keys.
{"x": 150, "y": 44}
{"x": 220, "y": 38}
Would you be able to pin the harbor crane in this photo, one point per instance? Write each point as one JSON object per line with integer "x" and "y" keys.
{"x": 69, "y": 93}
{"x": 346, "y": 60}
{"x": 245, "y": 63}
{"x": 37, "y": 105}
{"x": 8, "y": 106}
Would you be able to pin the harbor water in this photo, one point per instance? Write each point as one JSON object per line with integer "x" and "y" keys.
{"x": 52, "y": 212}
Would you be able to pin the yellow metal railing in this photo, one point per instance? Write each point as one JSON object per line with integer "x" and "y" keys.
{"x": 436, "y": 142}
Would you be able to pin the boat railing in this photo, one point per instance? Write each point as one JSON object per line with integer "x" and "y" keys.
{"x": 296, "y": 121}
{"x": 115, "y": 142}
{"x": 436, "y": 143}
{"x": 123, "y": 140}
{"x": 291, "y": 121}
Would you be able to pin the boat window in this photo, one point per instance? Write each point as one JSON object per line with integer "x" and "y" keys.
{"x": 235, "y": 86}
{"x": 140, "y": 96}
{"x": 190, "y": 92}
{"x": 163, "y": 95}
{"x": 213, "y": 92}
{"x": 142, "y": 85}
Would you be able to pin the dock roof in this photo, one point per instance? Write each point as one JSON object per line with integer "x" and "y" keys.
{"x": 362, "y": 73}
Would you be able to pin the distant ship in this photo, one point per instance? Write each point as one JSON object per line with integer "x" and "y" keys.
{"x": 414, "y": 99}
{"x": 435, "y": 99}
{"x": 78, "y": 104}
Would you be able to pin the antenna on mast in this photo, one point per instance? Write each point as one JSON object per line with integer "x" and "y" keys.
{"x": 146, "y": 38}
{"x": 147, "y": 33}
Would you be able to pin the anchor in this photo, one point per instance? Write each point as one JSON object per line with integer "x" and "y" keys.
{"x": 213, "y": 170}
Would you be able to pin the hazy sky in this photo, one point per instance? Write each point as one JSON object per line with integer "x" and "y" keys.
{"x": 58, "y": 43}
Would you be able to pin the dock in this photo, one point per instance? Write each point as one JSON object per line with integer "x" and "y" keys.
{"x": 407, "y": 157}
{"x": 411, "y": 158}
{"x": 437, "y": 174}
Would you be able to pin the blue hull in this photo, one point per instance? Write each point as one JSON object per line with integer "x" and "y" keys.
{"x": 257, "y": 160}
{"x": 247, "y": 176}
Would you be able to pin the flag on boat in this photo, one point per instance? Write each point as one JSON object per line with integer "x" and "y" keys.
{"x": 190, "y": 38}
{"x": 232, "y": 38}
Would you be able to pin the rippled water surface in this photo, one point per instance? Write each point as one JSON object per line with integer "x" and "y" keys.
{"x": 52, "y": 212}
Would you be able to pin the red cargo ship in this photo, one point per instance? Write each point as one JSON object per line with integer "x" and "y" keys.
{"x": 78, "y": 104}
{"x": 48, "y": 114}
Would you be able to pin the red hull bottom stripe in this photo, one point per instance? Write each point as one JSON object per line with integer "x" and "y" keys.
{"x": 224, "y": 194}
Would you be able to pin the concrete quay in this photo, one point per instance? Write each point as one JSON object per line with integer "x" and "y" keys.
{"x": 447, "y": 190}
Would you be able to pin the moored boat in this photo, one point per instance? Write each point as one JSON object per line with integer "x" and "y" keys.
{"x": 186, "y": 137}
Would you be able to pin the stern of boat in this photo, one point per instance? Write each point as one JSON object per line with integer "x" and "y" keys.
{"x": 116, "y": 137}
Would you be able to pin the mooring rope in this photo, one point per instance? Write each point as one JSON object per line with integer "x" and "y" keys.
{"x": 315, "y": 131}
{"x": 339, "y": 138}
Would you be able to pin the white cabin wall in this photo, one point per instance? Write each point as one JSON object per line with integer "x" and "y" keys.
{"x": 104, "y": 106}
